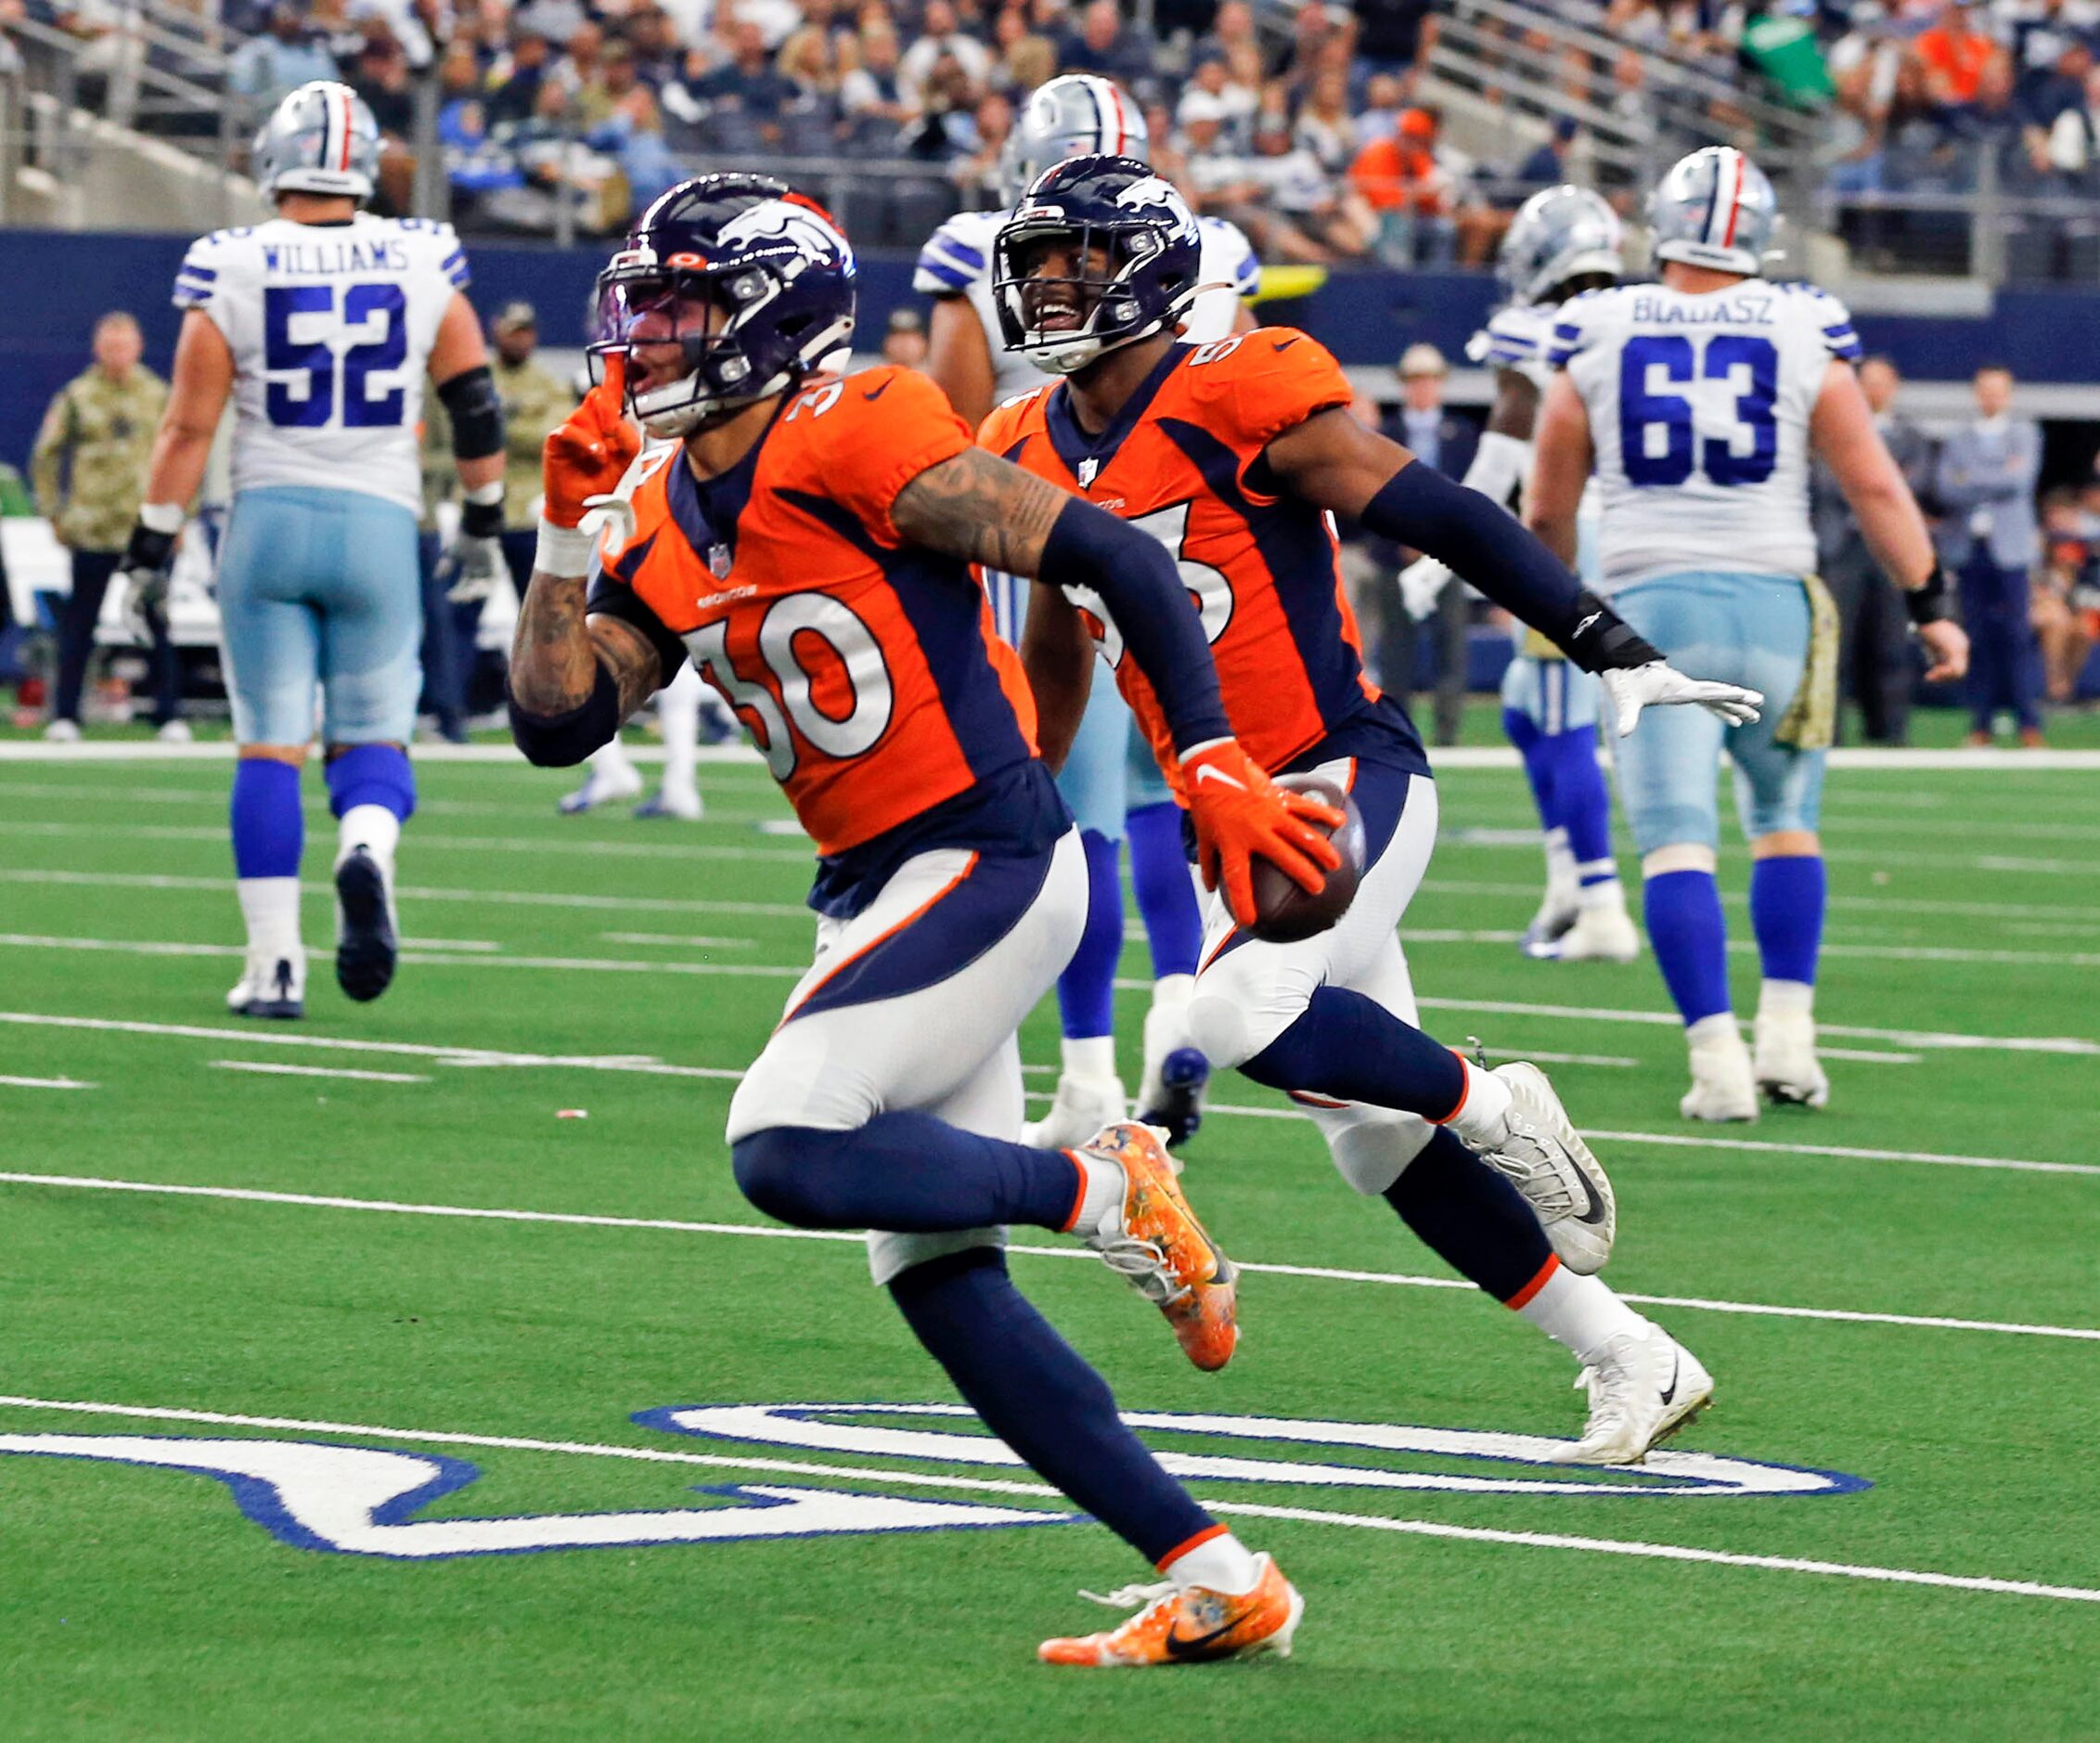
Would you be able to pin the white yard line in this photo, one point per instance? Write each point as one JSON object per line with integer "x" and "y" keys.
{"x": 648, "y": 1066}
{"x": 265, "y": 1036}
{"x": 45, "y": 1083}
{"x": 794, "y": 971}
{"x": 675, "y": 940}
{"x": 322, "y": 891}
{"x": 271, "y": 1069}
{"x": 992, "y": 1485}
{"x": 318, "y": 1201}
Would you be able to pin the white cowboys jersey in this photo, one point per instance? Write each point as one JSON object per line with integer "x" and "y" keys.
{"x": 1699, "y": 409}
{"x": 1518, "y": 337}
{"x": 956, "y": 261}
{"x": 330, "y": 325}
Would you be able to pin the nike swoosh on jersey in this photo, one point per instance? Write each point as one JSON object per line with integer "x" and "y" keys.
{"x": 876, "y": 393}
{"x": 1285, "y": 344}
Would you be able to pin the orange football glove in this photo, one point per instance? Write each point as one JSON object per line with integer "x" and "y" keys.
{"x": 1239, "y": 814}
{"x": 588, "y": 455}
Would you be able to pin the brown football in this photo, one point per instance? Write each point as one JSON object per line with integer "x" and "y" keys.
{"x": 1287, "y": 913}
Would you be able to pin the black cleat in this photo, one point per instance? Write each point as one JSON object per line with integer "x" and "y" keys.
{"x": 366, "y": 946}
{"x": 275, "y": 1000}
{"x": 1183, "y": 1075}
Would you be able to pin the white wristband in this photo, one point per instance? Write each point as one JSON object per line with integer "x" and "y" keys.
{"x": 564, "y": 552}
{"x": 160, "y": 517}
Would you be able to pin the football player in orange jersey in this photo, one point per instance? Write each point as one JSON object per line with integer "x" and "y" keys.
{"x": 805, "y": 543}
{"x": 1235, "y": 455}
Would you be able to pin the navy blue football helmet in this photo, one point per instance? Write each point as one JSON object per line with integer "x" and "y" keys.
{"x": 1149, "y": 253}
{"x": 752, "y": 279}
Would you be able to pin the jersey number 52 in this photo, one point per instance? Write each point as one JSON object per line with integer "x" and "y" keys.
{"x": 307, "y": 380}
{"x": 1654, "y": 363}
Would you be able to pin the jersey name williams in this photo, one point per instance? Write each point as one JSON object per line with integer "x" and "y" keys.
{"x": 376, "y": 254}
{"x": 1717, "y": 311}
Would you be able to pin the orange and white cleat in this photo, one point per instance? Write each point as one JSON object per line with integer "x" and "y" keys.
{"x": 1191, "y": 1626}
{"x": 1152, "y": 1238}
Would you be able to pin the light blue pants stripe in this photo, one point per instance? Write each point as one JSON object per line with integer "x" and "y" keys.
{"x": 320, "y": 588}
{"x": 1556, "y": 696}
{"x": 1748, "y": 629}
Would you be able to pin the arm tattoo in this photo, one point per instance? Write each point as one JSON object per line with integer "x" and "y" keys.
{"x": 556, "y": 651}
{"x": 981, "y": 509}
{"x": 636, "y": 666}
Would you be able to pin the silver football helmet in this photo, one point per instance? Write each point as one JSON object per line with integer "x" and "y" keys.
{"x": 321, "y": 139}
{"x": 1559, "y": 234}
{"x": 1715, "y": 209}
{"x": 1075, "y": 116}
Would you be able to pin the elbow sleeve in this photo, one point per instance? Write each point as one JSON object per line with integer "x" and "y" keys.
{"x": 1141, "y": 588}
{"x": 560, "y": 740}
{"x": 470, "y": 398}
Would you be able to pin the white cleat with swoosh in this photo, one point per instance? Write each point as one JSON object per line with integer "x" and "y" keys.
{"x": 1642, "y": 1388}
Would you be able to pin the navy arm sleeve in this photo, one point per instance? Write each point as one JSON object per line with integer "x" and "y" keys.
{"x": 1418, "y": 506}
{"x": 610, "y": 597}
{"x": 1141, "y": 589}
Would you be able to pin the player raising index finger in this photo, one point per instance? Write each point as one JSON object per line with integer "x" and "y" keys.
{"x": 804, "y": 542}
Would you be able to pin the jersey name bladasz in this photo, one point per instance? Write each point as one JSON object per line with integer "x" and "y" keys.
{"x": 387, "y": 255}
{"x": 1706, "y": 312}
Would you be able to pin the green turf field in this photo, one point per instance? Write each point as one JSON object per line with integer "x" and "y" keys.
{"x": 1891, "y": 1290}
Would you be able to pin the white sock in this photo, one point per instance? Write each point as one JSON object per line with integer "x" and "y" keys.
{"x": 1604, "y": 891}
{"x": 371, "y": 826}
{"x": 1717, "y": 1030}
{"x": 610, "y": 762}
{"x": 1218, "y": 1564}
{"x": 1102, "y": 1185}
{"x": 270, "y": 907}
{"x": 1092, "y": 1056}
{"x": 677, "y": 713}
{"x": 1561, "y": 874}
{"x": 1786, "y": 997}
{"x": 1172, "y": 992}
{"x": 1483, "y": 1117}
{"x": 1582, "y": 1314}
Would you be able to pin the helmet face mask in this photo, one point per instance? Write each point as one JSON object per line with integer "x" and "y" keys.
{"x": 1100, "y": 254}
{"x": 730, "y": 290}
{"x": 320, "y": 139}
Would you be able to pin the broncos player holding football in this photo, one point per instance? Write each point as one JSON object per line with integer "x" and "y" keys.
{"x": 1109, "y": 779}
{"x": 1236, "y": 454}
{"x": 807, "y": 544}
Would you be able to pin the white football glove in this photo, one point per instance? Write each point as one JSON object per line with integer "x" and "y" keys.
{"x": 1422, "y": 584}
{"x": 1659, "y": 684}
{"x": 467, "y": 569}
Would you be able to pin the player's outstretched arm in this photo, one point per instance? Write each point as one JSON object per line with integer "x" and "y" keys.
{"x": 985, "y": 509}
{"x": 1842, "y": 432}
{"x": 1333, "y": 461}
{"x": 574, "y": 676}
